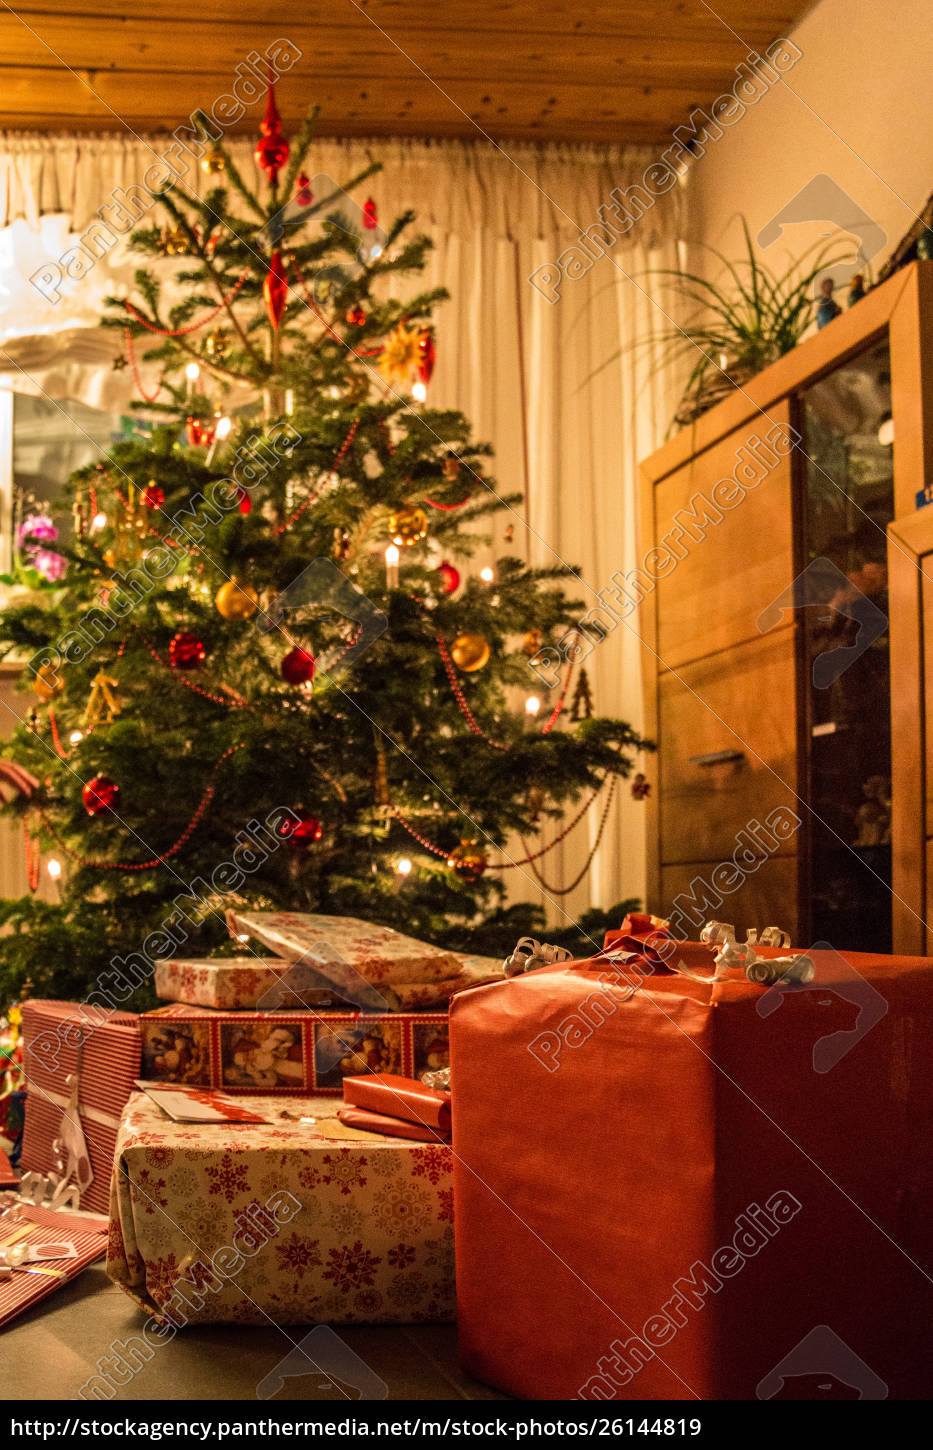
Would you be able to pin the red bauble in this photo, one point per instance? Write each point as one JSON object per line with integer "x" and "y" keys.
{"x": 426, "y": 354}
{"x": 370, "y": 219}
{"x": 100, "y": 795}
{"x": 298, "y": 666}
{"x": 304, "y": 195}
{"x": 153, "y": 497}
{"x": 275, "y": 288}
{"x": 356, "y": 317}
{"x": 450, "y": 577}
{"x": 271, "y": 151}
{"x": 186, "y": 652}
{"x": 199, "y": 433}
{"x": 244, "y": 502}
{"x": 300, "y": 829}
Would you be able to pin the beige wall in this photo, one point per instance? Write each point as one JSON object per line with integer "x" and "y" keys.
{"x": 857, "y": 107}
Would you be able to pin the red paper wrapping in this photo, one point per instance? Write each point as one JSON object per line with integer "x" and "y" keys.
{"x": 22, "y": 1290}
{"x": 287, "y": 1052}
{"x": 696, "y": 1190}
{"x": 101, "y": 1047}
{"x": 400, "y": 1097}
{"x": 371, "y": 1122}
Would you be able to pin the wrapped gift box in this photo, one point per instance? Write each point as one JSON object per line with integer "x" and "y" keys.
{"x": 287, "y": 1052}
{"x": 380, "y": 955}
{"x": 297, "y": 1222}
{"x": 695, "y": 1189}
{"x": 94, "y": 1052}
{"x": 236, "y": 983}
{"x": 44, "y": 1226}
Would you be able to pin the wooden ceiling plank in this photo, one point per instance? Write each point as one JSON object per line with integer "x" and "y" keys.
{"x": 613, "y": 71}
{"x": 217, "y": 50}
{"x": 561, "y": 17}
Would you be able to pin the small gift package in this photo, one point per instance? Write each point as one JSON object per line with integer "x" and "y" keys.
{"x": 697, "y": 1186}
{"x": 297, "y": 1052}
{"x": 79, "y": 1063}
{"x": 400, "y": 1106}
{"x": 295, "y": 1218}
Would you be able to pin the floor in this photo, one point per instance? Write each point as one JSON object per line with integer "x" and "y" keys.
{"x": 52, "y": 1351}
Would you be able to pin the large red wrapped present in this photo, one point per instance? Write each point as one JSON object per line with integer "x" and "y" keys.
{"x": 300, "y": 1220}
{"x": 674, "y": 1188}
{"x": 80, "y": 1064}
{"x": 287, "y": 1052}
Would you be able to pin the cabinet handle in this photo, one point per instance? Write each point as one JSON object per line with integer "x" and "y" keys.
{"x": 718, "y": 757}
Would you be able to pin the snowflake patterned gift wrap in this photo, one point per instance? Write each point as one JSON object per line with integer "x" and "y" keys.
{"x": 298, "y": 1221}
{"x": 235, "y": 983}
{"x": 407, "y": 975}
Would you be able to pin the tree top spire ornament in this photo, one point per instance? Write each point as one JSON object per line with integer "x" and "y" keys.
{"x": 271, "y": 151}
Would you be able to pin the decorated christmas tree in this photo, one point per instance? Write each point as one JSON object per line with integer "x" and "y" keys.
{"x": 267, "y": 676}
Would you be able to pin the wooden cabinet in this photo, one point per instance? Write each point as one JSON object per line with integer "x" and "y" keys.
{"x": 787, "y": 621}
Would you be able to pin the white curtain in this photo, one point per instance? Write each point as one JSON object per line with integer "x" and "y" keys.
{"x": 567, "y": 402}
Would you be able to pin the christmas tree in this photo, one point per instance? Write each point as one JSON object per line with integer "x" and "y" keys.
{"x": 267, "y": 677}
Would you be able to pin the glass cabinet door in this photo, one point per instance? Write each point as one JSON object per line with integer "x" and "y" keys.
{"x": 847, "y": 501}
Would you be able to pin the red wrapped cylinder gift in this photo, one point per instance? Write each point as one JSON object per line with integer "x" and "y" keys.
{"x": 696, "y": 1189}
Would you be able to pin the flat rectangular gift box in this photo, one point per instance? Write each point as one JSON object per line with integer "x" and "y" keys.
{"x": 286, "y": 1052}
{"x": 323, "y": 962}
{"x": 238, "y": 984}
{"x": 695, "y": 1189}
{"x": 300, "y": 1221}
{"x": 378, "y": 953}
{"x": 65, "y": 1045}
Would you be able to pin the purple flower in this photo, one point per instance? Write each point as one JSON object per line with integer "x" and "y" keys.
{"x": 36, "y": 527}
{"x": 50, "y": 565}
{"x": 35, "y": 531}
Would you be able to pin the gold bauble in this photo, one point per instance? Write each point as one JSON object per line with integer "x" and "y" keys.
{"x": 469, "y": 652}
{"x": 468, "y": 860}
{"x": 48, "y": 682}
{"x": 214, "y": 161}
{"x": 218, "y": 343}
{"x": 236, "y": 601}
{"x": 408, "y": 524}
{"x": 532, "y": 642}
{"x": 175, "y": 242}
